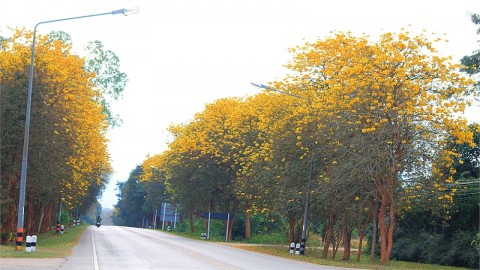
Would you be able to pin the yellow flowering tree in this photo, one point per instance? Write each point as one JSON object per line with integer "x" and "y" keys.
{"x": 67, "y": 151}
{"x": 400, "y": 90}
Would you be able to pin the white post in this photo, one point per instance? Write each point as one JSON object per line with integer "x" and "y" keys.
{"x": 226, "y": 232}
{"x": 164, "y": 210}
{"x": 34, "y": 242}
{"x": 175, "y": 222}
{"x": 28, "y": 243}
{"x": 155, "y": 219}
{"x": 208, "y": 227}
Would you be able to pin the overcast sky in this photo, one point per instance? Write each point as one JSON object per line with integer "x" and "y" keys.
{"x": 180, "y": 55}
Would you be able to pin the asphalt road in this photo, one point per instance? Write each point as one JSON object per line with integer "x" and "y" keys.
{"x": 114, "y": 247}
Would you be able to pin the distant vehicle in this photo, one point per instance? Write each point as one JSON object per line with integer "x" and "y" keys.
{"x": 99, "y": 221}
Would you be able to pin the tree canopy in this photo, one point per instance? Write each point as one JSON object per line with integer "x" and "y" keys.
{"x": 68, "y": 149}
{"x": 365, "y": 124}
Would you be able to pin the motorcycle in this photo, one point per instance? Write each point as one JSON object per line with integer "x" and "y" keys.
{"x": 98, "y": 224}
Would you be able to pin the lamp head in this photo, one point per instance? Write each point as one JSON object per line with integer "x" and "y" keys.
{"x": 126, "y": 11}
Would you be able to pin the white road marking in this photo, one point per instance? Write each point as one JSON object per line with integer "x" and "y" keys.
{"x": 95, "y": 260}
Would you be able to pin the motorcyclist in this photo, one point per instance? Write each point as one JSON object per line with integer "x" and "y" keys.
{"x": 99, "y": 221}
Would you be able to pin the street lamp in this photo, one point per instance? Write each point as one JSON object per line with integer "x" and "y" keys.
{"x": 303, "y": 241}
{"x": 23, "y": 175}
{"x": 263, "y": 86}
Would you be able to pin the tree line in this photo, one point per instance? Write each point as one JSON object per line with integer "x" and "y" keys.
{"x": 370, "y": 134}
{"x": 70, "y": 116}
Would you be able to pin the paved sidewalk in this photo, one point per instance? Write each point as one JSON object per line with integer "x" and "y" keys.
{"x": 30, "y": 264}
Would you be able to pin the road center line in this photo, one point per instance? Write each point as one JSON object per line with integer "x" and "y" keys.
{"x": 95, "y": 260}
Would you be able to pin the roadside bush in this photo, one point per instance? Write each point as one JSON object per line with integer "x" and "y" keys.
{"x": 461, "y": 252}
{"x": 437, "y": 248}
{"x": 260, "y": 225}
{"x": 433, "y": 249}
{"x": 407, "y": 248}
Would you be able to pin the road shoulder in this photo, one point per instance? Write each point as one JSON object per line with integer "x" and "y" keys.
{"x": 33, "y": 263}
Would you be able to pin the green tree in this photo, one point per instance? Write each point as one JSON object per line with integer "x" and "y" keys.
{"x": 472, "y": 62}
{"x": 106, "y": 65}
{"x": 131, "y": 198}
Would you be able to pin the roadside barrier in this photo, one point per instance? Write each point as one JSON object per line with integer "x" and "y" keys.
{"x": 203, "y": 236}
{"x": 297, "y": 249}
{"x": 28, "y": 243}
{"x": 34, "y": 243}
{"x": 62, "y": 228}
{"x": 302, "y": 246}
{"x": 292, "y": 247}
{"x": 19, "y": 238}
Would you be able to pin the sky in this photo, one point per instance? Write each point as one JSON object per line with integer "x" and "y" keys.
{"x": 180, "y": 55}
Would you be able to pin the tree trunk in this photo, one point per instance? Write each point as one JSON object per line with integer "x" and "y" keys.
{"x": 359, "y": 249}
{"x": 47, "y": 220}
{"x": 40, "y": 220}
{"x": 9, "y": 225}
{"x": 328, "y": 239}
{"x": 362, "y": 229}
{"x": 247, "y": 220}
{"x": 375, "y": 232}
{"x": 230, "y": 228}
{"x": 347, "y": 237}
{"x": 391, "y": 228}
{"x": 29, "y": 217}
{"x": 10, "y": 217}
{"x": 386, "y": 230}
{"x": 362, "y": 232}
{"x": 383, "y": 229}
{"x": 291, "y": 229}
{"x": 336, "y": 243}
{"x": 190, "y": 217}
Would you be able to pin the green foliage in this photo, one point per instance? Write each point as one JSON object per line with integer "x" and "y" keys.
{"x": 131, "y": 194}
{"x": 472, "y": 62}
{"x": 437, "y": 248}
{"x": 60, "y": 35}
{"x": 425, "y": 237}
{"x": 106, "y": 65}
{"x": 277, "y": 238}
{"x": 266, "y": 229}
{"x": 476, "y": 242}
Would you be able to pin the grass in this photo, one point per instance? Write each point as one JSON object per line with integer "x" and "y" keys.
{"x": 49, "y": 245}
{"x": 269, "y": 244}
{"x": 314, "y": 256}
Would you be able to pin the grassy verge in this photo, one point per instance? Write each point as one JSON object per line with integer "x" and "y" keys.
{"x": 314, "y": 256}
{"x": 271, "y": 245}
{"x": 48, "y": 245}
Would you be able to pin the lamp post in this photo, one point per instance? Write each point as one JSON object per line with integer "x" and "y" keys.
{"x": 23, "y": 175}
{"x": 303, "y": 241}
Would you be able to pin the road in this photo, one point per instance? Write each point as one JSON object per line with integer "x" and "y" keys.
{"x": 114, "y": 247}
